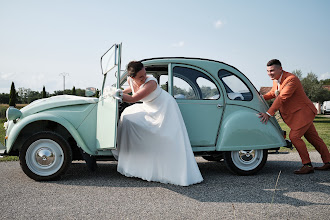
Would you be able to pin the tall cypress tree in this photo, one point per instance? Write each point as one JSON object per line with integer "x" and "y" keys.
{"x": 12, "y": 95}
{"x": 44, "y": 94}
{"x": 73, "y": 91}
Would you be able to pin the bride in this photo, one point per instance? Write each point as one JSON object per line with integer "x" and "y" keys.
{"x": 153, "y": 142}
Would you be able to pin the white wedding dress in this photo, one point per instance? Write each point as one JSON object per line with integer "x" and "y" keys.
{"x": 153, "y": 142}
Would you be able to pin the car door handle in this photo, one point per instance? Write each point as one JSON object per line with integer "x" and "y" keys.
{"x": 219, "y": 106}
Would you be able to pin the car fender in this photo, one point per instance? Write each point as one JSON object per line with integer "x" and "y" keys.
{"x": 242, "y": 130}
{"x": 20, "y": 124}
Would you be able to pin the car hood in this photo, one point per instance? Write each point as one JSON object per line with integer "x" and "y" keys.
{"x": 54, "y": 102}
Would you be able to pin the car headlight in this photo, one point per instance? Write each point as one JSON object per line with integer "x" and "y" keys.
{"x": 13, "y": 113}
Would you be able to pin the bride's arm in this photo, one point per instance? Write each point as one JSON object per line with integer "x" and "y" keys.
{"x": 148, "y": 88}
{"x": 127, "y": 90}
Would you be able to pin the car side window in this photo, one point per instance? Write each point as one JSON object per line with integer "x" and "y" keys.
{"x": 192, "y": 84}
{"x": 182, "y": 89}
{"x": 235, "y": 87}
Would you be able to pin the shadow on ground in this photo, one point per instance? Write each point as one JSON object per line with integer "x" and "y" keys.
{"x": 220, "y": 185}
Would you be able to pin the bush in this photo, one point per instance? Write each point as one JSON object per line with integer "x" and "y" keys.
{"x": 4, "y": 98}
{"x": 3, "y": 109}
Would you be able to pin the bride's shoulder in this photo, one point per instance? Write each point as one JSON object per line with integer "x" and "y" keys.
{"x": 149, "y": 78}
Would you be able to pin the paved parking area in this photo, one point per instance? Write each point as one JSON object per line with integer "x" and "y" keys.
{"x": 105, "y": 194}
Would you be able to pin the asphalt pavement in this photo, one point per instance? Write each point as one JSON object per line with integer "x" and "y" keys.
{"x": 106, "y": 194}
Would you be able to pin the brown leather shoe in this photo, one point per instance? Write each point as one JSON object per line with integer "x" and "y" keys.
{"x": 305, "y": 170}
{"x": 324, "y": 167}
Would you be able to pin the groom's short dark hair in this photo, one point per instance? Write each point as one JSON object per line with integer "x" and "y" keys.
{"x": 274, "y": 62}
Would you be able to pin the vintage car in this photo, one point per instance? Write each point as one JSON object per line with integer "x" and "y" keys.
{"x": 218, "y": 103}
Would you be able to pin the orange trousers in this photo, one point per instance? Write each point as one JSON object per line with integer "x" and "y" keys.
{"x": 311, "y": 135}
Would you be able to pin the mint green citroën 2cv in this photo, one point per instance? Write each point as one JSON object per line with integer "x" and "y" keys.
{"x": 218, "y": 103}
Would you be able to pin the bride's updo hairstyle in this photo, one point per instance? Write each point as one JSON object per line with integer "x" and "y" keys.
{"x": 133, "y": 68}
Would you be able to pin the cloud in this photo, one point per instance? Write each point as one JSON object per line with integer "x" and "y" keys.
{"x": 34, "y": 81}
{"x": 324, "y": 76}
{"x": 218, "y": 24}
{"x": 179, "y": 44}
{"x": 7, "y": 76}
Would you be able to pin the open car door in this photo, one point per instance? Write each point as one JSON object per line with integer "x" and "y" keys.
{"x": 107, "y": 110}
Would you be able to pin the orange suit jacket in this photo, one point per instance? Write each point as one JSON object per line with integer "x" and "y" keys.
{"x": 295, "y": 107}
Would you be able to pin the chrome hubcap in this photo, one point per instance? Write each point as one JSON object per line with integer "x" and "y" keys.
{"x": 246, "y": 156}
{"x": 247, "y": 159}
{"x": 45, "y": 156}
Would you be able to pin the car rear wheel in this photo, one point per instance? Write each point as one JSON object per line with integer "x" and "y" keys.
{"x": 245, "y": 162}
{"x": 45, "y": 156}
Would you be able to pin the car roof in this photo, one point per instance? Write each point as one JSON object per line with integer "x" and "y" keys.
{"x": 209, "y": 65}
{"x": 186, "y": 59}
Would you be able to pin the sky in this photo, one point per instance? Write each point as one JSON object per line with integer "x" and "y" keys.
{"x": 41, "y": 40}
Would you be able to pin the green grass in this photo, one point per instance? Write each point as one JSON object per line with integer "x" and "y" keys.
{"x": 3, "y": 108}
{"x": 322, "y": 125}
{"x": 8, "y": 158}
{"x": 2, "y": 130}
{"x": 2, "y": 138}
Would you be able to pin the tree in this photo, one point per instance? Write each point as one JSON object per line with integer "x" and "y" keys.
{"x": 23, "y": 95}
{"x": 26, "y": 96}
{"x": 165, "y": 86}
{"x": 12, "y": 95}
{"x": 59, "y": 92}
{"x": 4, "y": 98}
{"x": 80, "y": 92}
{"x": 323, "y": 95}
{"x": 207, "y": 92}
{"x": 97, "y": 94}
{"x": 298, "y": 73}
{"x": 325, "y": 82}
{"x": 73, "y": 92}
{"x": 313, "y": 88}
{"x": 32, "y": 96}
{"x": 44, "y": 94}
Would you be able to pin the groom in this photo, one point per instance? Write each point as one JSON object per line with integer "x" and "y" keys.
{"x": 298, "y": 112}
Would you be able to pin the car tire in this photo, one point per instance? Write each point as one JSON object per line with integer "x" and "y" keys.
{"x": 45, "y": 156}
{"x": 245, "y": 162}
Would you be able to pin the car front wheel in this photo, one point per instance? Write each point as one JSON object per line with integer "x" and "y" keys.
{"x": 245, "y": 162}
{"x": 45, "y": 156}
